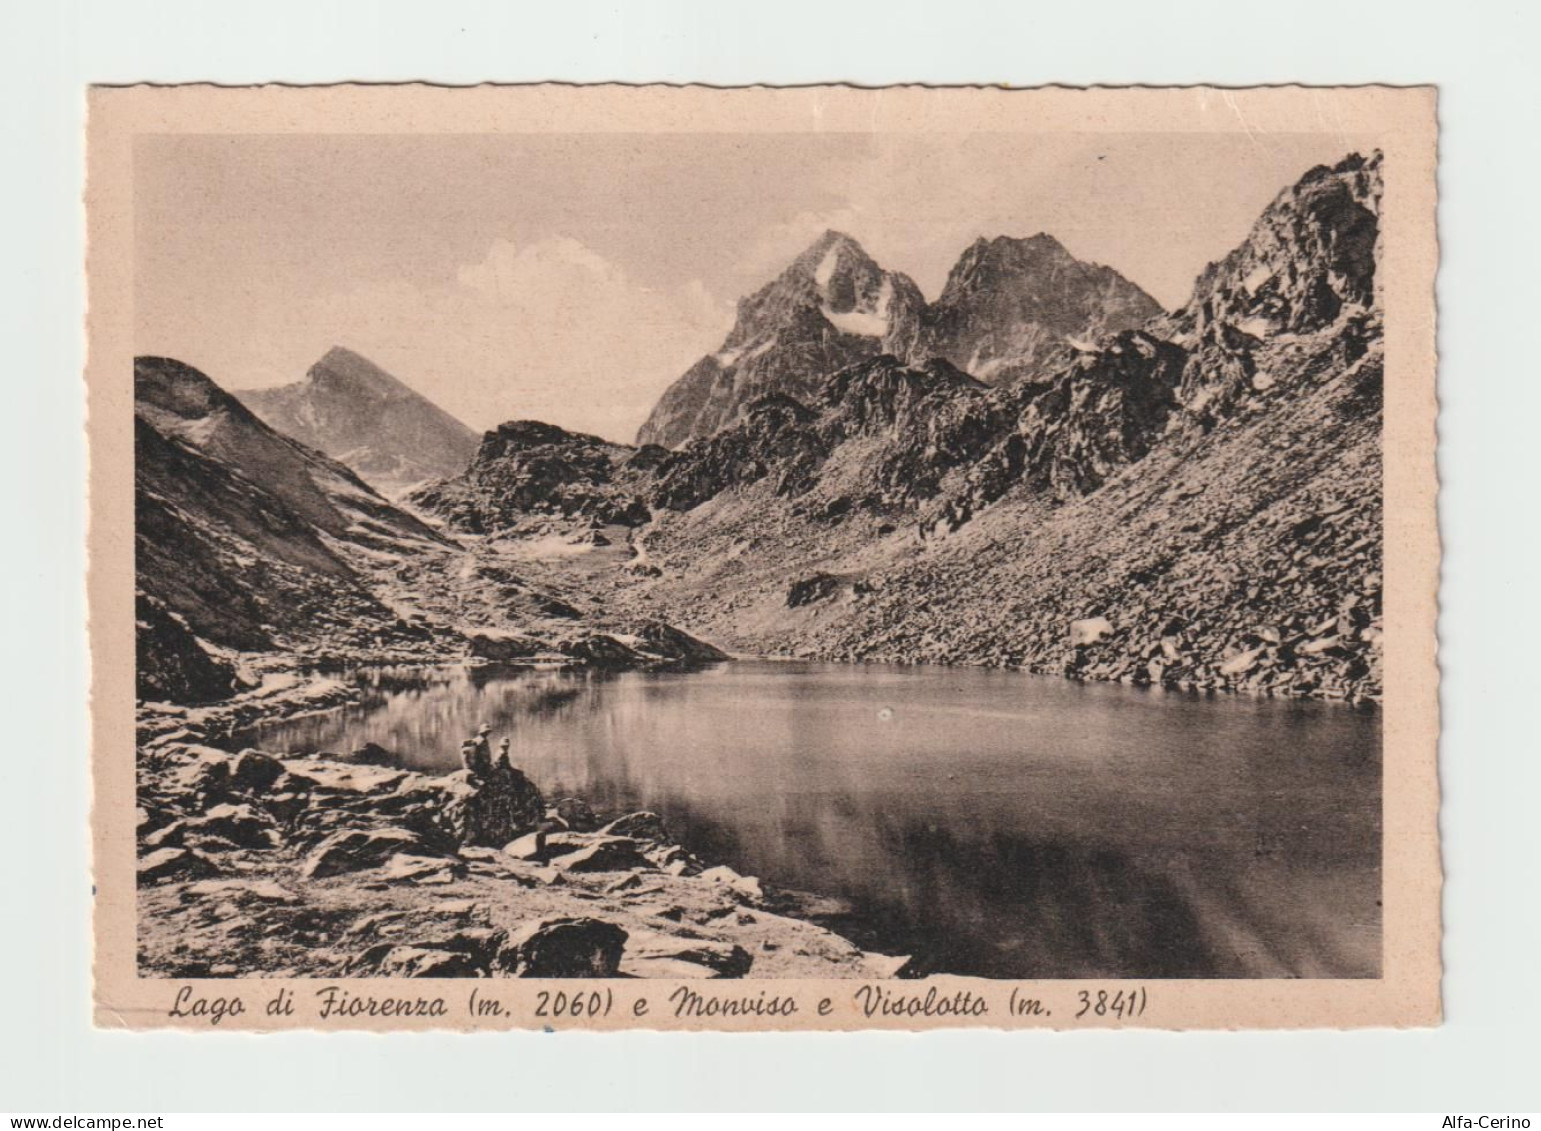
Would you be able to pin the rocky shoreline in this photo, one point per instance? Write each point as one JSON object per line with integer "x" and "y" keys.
{"x": 263, "y": 864}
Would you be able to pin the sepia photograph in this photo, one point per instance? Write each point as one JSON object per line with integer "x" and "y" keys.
{"x": 923, "y": 559}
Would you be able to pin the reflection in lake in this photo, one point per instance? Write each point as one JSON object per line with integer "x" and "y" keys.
{"x": 986, "y": 822}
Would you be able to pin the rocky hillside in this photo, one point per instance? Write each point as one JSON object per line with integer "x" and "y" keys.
{"x": 246, "y": 536}
{"x": 354, "y": 411}
{"x": 278, "y": 865}
{"x": 1196, "y": 503}
{"x": 252, "y": 549}
{"x": 526, "y": 468}
{"x": 1008, "y": 307}
{"x": 1193, "y": 502}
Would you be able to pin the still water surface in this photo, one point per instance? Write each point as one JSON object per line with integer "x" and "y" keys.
{"x": 986, "y": 822}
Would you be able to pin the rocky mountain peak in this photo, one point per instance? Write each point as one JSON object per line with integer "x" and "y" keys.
{"x": 343, "y": 371}
{"x": 356, "y": 412}
{"x": 832, "y": 306}
{"x": 1309, "y": 258}
{"x": 526, "y": 467}
{"x": 832, "y": 242}
{"x": 167, "y": 390}
{"x": 1011, "y": 304}
{"x": 1003, "y": 253}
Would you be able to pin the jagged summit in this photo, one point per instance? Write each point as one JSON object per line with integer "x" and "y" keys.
{"x": 833, "y": 305}
{"x": 1010, "y": 304}
{"x": 354, "y": 411}
{"x": 1310, "y": 256}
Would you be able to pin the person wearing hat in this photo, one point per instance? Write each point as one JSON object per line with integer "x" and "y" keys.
{"x": 482, "y": 761}
{"x": 503, "y": 762}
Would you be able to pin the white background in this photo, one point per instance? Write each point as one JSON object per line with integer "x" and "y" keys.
{"x": 1481, "y": 54}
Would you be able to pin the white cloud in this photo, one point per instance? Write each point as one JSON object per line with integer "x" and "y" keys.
{"x": 549, "y": 331}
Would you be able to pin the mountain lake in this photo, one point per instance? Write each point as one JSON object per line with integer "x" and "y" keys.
{"x": 984, "y": 822}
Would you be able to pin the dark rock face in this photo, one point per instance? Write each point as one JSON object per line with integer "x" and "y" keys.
{"x": 357, "y": 413}
{"x": 1309, "y": 256}
{"x": 564, "y": 948}
{"x": 807, "y": 590}
{"x": 1010, "y": 305}
{"x": 170, "y": 664}
{"x": 528, "y": 468}
{"x": 1102, "y": 413}
{"x": 915, "y": 424}
{"x": 492, "y": 809}
{"x": 773, "y": 436}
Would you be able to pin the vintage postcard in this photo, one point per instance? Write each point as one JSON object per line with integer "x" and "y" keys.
{"x": 821, "y": 558}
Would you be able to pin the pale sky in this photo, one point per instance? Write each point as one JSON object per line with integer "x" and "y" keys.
{"x": 572, "y": 278}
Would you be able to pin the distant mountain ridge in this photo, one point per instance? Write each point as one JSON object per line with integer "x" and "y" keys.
{"x": 1007, "y": 307}
{"x": 356, "y": 412}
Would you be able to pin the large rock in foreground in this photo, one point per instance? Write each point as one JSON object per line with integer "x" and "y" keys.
{"x": 493, "y": 810}
{"x": 352, "y": 850}
{"x": 564, "y": 948}
{"x": 171, "y": 666}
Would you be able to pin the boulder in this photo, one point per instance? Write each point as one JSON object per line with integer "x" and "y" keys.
{"x": 372, "y": 754}
{"x": 575, "y": 813}
{"x": 340, "y": 777}
{"x": 745, "y": 887}
{"x": 174, "y": 864}
{"x": 352, "y": 850}
{"x": 254, "y": 771}
{"x": 167, "y": 836}
{"x": 242, "y": 891}
{"x": 617, "y": 854}
{"x": 531, "y": 846}
{"x": 408, "y": 868}
{"x": 1242, "y": 662}
{"x": 643, "y": 825}
{"x": 205, "y": 770}
{"x": 241, "y": 825}
{"x": 394, "y": 960}
{"x": 491, "y": 810}
{"x": 563, "y": 948}
{"x": 1090, "y": 630}
{"x": 665, "y": 956}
